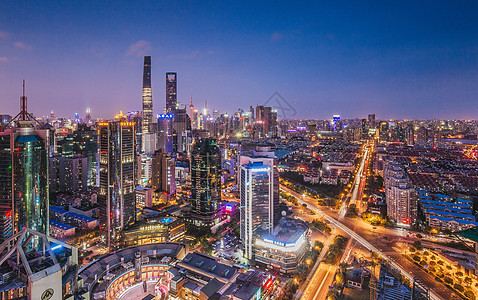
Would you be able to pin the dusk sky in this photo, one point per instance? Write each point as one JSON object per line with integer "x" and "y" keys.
{"x": 397, "y": 59}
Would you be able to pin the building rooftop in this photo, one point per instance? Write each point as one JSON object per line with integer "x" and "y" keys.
{"x": 60, "y": 225}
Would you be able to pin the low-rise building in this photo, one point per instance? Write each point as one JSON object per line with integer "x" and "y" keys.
{"x": 283, "y": 249}
{"x": 155, "y": 230}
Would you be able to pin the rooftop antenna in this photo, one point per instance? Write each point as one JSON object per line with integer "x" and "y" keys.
{"x": 23, "y": 115}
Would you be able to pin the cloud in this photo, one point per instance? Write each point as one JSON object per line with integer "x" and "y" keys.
{"x": 189, "y": 55}
{"x": 3, "y": 34}
{"x": 3, "y": 59}
{"x": 22, "y": 45}
{"x": 276, "y": 36}
{"x": 140, "y": 48}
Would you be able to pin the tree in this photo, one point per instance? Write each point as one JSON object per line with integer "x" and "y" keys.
{"x": 458, "y": 287}
{"x": 448, "y": 280}
{"x": 418, "y": 245}
{"x": 470, "y": 295}
{"x": 351, "y": 211}
{"x": 468, "y": 281}
{"x": 301, "y": 271}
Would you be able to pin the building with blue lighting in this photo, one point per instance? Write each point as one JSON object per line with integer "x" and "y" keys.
{"x": 284, "y": 247}
{"x": 259, "y": 196}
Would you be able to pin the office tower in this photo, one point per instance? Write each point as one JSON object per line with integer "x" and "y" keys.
{"x": 163, "y": 176}
{"x": 267, "y": 120}
{"x": 6, "y": 196}
{"x": 384, "y": 132}
{"x": 273, "y": 123}
{"x": 365, "y": 128}
{"x": 259, "y": 193}
{"x": 194, "y": 116}
{"x": 137, "y": 118}
{"x": 171, "y": 90}
{"x": 165, "y": 132}
{"x": 88, "y": 116}
{"x": 205, "y": 181}
{"x": 180, "y": 125}
{"x": 422, "y": 134}
{"x": 259, "y": 113}
{"x": 147, "y": 96}
{"x": 335, "y": 122}
{"x": 371, "y": 120}
{"x": 116, "y": 198}
{"x": 410, "y": 134}
{"x": 24, "y": 195}
{"x": 401, "y": 197}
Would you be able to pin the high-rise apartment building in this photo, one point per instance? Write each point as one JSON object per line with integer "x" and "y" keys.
{"x": 205, "y": 181}
{"x": 171, "y": 90}
{"x": 259, "y": 193}
{"x": 147, "y": 96}
{"x": 68, "y": 174}
{"x": 116, "y": 197}
{"x": 163, "y": 176}
{"x": 81, "y": 142}
{"x": 401, "y": 197}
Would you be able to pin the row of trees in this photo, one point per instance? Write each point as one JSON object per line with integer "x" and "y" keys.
{"x": 320, "y": 225}
{"x": 336, "y": 249}
{"x": 443, "y": 272}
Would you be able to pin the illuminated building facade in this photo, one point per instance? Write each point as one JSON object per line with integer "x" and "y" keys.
{"x": 257, "y": 207}
{"x": 259, "y": 192}
{"x": 156, "y": 230}
{"x": 147, "y": 96}
{"x": 119, "y": 273}
{"x": 24, "y": 198}
{"x": 205, "y": 181}
{"x": 165, "y": 132}
{"x": 116, "y": 197}
{"x": 171, "y": 91}
{"x": 285, "y": 247}
{"x": 401, "y": 197}
{"x": 163, "y": 176}
{"x": 30, "y": 177}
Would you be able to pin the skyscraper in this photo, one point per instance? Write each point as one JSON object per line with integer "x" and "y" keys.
{"x": 163, "y": 172}
{"x": 401, "y": 197}
{"x": 147, "y": 96}
{"x": 165, "y": 132}
{"x": 116, "y": 197}
{"x": 171, "y": 90}
{"x": 205, "y": 181}
{"x": 259, "y": 193}
{"x": 24, "y": 195}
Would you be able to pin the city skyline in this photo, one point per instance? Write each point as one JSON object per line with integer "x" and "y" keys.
{"x": 346, "y": 59}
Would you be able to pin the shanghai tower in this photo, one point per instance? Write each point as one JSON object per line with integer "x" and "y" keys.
{"x": 147, "y": 96}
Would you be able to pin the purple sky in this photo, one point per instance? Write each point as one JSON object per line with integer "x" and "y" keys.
{"x": 406, "y": 59}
